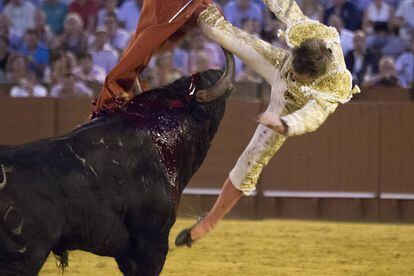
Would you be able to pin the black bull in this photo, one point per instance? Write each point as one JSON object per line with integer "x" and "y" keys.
{"x": 112, "y": 185}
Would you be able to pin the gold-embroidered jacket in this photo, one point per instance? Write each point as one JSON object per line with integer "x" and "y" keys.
{"x": 305, "y": 106}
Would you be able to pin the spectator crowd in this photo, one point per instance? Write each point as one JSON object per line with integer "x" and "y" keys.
{"x": 61, "y": 48}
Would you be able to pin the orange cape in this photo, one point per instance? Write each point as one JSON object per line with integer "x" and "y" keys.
{"x": 153, "y": 31}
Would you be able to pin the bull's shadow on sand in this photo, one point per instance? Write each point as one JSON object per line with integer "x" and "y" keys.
{"x": 112, "y": 185}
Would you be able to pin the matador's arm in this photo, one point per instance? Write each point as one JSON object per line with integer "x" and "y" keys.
{"x": 287, "y": 11}
{"x": 309, "y": 118}
{"x": 259, "y": 55}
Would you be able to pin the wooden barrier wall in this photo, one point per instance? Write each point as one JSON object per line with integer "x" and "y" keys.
{"x": 24, "y": 120}
{"x": 357, "y": 166}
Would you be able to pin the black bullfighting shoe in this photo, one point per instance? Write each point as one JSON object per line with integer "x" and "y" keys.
{"x": 184, "y": 237}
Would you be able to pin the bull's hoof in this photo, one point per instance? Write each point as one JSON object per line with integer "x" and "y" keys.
{"x": 184, "y": 238}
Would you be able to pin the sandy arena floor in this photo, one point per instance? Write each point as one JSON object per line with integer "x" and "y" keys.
{"x": 276, "y": 247}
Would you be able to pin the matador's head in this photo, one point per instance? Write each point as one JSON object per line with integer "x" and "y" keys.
{"x": 310, "y": 59}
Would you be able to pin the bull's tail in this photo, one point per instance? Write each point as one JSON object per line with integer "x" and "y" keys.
{"x": 11, "y": 227}
{"x": 62, "y": 257}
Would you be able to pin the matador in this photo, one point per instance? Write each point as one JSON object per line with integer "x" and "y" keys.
{"x": 308, "y": 81}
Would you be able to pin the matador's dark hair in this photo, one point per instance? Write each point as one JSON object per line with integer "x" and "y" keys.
{"x": 311, "y": 57}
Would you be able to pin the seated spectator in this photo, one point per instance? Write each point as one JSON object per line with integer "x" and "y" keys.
{"x": 55, "y": 12}
{"x": 326, "y": 4}
{"x": 393, "y": 3}
{"x": 347, "y": 11}
{"x": 199, "y": 44}
{"x": 378, "y": 13}
{"x": 248, "y": 75}
{"x": 62, "y": 63}
{"x": 362, "y": 5}
{"x": 36, "y": 3}
{"x": 361, "y": 60}
{"x": 146, "y": 79}
{"x": 86, "y": 71}
{"x": 387, "y": 42}
{"x": 271, "y": 29}
{"x": 129, "y": 13}
{"x": 108, "y": 6}
{"x": 405, "y": 66}
{"x": 346, "y": 36}
{"x": 37, "y": 55}
{"x": 28, "y": 87}
{"x": 44, "y": 32}
{"x": 270, "y": 26}
{"x": 5, "y": 31}
{"x": 378, "y": 35}
{"x": 236, "y": 10}
{"x": 88, "y": 11}
{"x": 251, "y": 26}
{"x": 73, "y": 38}
{"x": 16, "y": 68}
{"x": 21, "y": 14}
{"x": 257, "y": 2}
{"x": 4, "y": 56}
{"x": 164, "y": 72}
{"x": 68, "y": 87}
{"x": 118, "y": 37}
{"x": 388, "y": 75}
{"x": 103, "y": 54}
{"x": 404, "y": 19}
{"x": 180, "y": 56}
{"x": 312, "y": 9}
{"x": 67, "y": 2}
{"x": 201, "y": 62}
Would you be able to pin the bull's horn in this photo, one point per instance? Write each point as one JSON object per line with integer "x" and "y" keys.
{"x": 223, "y": 85}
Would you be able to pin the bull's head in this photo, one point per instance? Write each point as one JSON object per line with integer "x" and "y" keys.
{"x": 203, "y": 95}
{"x": 183, "y": 117}
{"x": 176, "y": 123}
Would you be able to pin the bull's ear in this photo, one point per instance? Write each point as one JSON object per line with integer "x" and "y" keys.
{"x": 199, "y": 113}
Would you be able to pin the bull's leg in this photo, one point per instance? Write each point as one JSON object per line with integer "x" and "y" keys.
{"x": 148, "y": 258}
{"x": 28, "y": 265}
{"x": 126, "y": 265}
{"x": 151, "y": 259}
{"x": 14, "y": 268}
{"x": 19, "y": 254}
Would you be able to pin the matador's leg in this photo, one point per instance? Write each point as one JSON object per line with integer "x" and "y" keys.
{"x": 264, "y": 144}
{"x": 243, "y": 178}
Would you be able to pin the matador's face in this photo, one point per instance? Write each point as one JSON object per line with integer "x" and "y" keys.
{"x": 302, "y": 77}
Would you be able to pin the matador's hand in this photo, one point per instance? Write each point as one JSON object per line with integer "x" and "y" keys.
{"x": 272, "y": 121}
